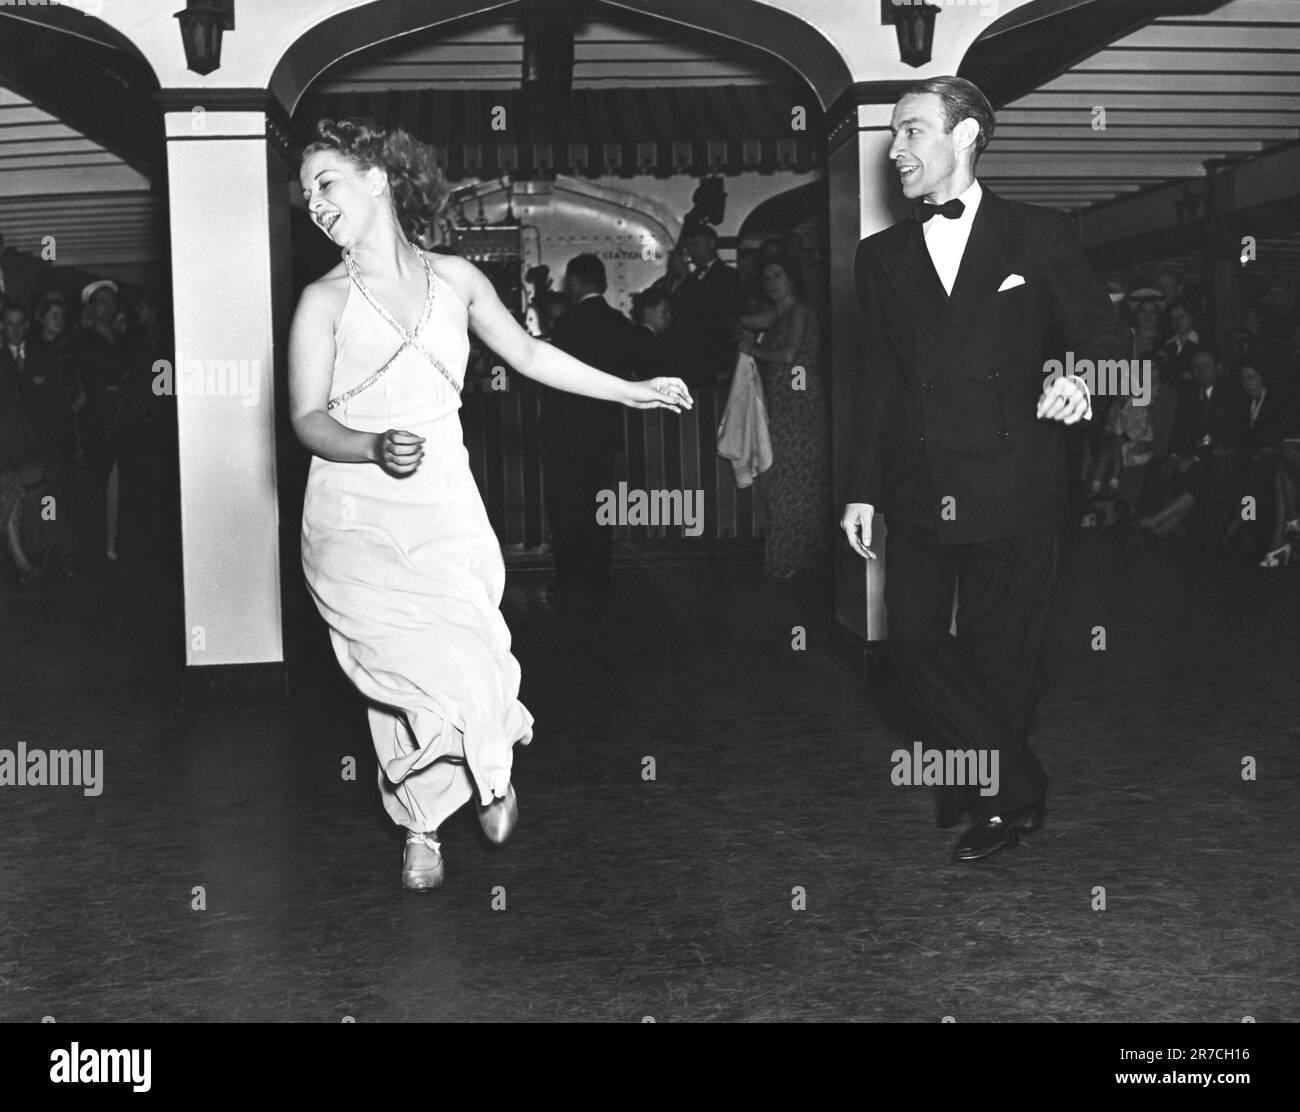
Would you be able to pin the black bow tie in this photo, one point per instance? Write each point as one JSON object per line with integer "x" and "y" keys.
{"x": 923, "y": 210}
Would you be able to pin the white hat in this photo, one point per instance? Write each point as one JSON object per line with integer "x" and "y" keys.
{"x": 89, "y": 291}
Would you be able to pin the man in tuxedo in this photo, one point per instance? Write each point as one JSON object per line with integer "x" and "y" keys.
{"x": 710, "y": 306}
{"x": 960, "y": 432}
{"x": 583, "y": 434}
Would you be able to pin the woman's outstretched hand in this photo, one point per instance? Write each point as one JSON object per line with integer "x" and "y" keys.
{"x": 657, "y": 393}
{"x": 398, "y": 452}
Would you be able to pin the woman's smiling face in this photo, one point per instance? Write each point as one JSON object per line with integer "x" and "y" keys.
{"x": 342, "y": 198}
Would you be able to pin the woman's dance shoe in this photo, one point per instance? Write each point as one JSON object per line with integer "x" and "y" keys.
{"x": 422, "y": 867}
{"x": 498, "y": 818}
{"x": 1278, "y": 558}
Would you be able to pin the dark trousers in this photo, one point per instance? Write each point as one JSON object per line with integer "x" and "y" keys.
{"x": 977, "y": 690}
{"x": 584, "y": 550}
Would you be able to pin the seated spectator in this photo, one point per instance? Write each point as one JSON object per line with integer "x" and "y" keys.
{"x": 1206, "y": 443}
{"x": 1125, "y": 448}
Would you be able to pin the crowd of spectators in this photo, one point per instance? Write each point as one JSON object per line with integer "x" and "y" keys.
{"x": 84, "y": 440}
{"x": 1212, "y": 459}
{"x": 694, "y": 322}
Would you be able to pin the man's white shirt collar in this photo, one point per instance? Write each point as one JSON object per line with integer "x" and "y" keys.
{"x": 946, "y": 239}
{"x": 970, "y": 198}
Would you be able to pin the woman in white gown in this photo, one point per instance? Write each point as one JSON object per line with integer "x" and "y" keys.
{"x": 396, "y": 545}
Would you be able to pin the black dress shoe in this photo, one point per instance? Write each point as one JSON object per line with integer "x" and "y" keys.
{"x": 984, "y": 838}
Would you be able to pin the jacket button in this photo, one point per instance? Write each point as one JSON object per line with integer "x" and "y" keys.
{"x": 1003, "y": 434}
{"x": 923, "y": 438}
{"x": 927, "y": 385}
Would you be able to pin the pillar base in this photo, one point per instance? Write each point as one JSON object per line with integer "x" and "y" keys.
{"x": 228, "y": 687}
{"x": 864, "y": 658}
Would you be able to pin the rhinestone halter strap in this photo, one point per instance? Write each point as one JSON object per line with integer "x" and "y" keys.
{"x": 409, "y": 339}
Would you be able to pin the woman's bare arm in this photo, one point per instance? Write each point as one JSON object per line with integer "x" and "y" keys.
{"x": 311, "y": 368}
{"x": 500, "y": 331}
{"x": 789, "y": 351}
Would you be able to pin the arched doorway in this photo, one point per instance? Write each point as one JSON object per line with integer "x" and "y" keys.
{"x": 618, "y": 175}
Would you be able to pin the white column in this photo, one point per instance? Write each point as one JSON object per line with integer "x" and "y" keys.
{"x": 864, "y": 198}
{"x": 223, "y": 198}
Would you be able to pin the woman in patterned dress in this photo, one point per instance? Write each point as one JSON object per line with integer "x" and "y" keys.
{"x": 797, "y": 487}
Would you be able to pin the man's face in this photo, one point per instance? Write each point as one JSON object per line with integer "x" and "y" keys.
{"x": 1205, "y": 368}
{"x": 14, "y": 327}
{"x": 1167, "y": 284}
{"x": 103, "y": 306}
{"x": 924, "y": 155}
{"x": 700, "y": 249}
{"x": 1181, "y": 319}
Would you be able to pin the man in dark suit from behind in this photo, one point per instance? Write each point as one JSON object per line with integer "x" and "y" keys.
{"x": 652, "y": 315}
{"x": 582, "y": 434}
{"x": 710, "y": 302}
{"x": 960, "y": 429}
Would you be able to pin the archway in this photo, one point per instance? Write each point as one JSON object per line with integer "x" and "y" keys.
{"x": 780, "y": 33}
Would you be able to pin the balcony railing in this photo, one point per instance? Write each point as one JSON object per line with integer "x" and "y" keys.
{"x": 664, "y": 451}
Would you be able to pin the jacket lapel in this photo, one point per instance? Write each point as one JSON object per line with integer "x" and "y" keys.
{"x": 984, "y": 264}
{"x": 908, "y": 263}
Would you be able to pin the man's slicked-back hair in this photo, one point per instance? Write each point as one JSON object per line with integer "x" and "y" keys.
{"x": 962, "y": 100}
{"x": 588, "y": 269}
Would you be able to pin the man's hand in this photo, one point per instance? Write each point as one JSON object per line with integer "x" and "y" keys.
{"x": 856, "y": 524}
{"x": 1067, "y": 400}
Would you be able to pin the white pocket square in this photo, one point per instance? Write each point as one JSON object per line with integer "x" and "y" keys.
{"x": 1010, "y": 282}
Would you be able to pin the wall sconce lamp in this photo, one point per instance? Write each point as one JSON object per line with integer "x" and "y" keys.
{"x": 913, "y": 22}
{"x": 202, "y": 23}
